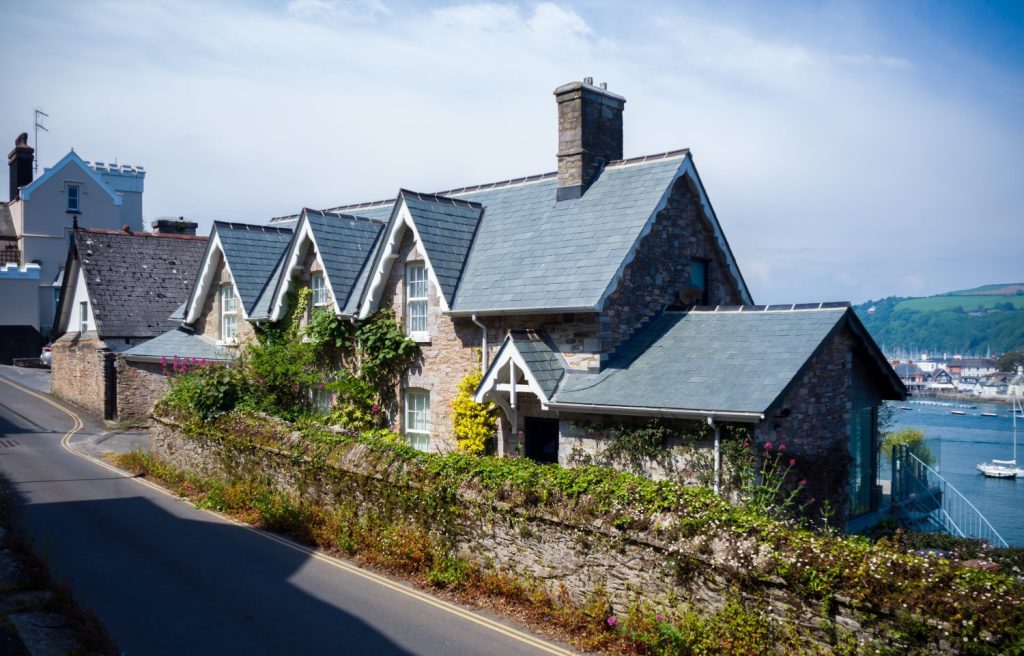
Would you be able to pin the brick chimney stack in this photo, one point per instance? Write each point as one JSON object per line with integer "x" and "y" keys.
{"x": 20, "y": 162}
{"x": 177, "y": 226}
{"x": 589, "y": 134}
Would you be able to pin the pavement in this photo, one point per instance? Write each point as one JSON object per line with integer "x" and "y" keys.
{"x": 168, "y": 578}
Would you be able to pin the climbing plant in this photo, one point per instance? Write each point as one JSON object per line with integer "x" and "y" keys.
{"x": 473, "y": 423}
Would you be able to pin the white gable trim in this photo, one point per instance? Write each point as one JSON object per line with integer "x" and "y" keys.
{"x": 508, "y": 353}
{"x": 402, "y": 220}
{"x": 290, "y": 263}
{"x": 686, "y": 167}
{"x": 206, "y": 281}
{"x": 71, "y": 158}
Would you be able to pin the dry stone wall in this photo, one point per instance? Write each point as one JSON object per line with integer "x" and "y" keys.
{"x": 139, "y": 386}
{"x": 77, "y": 366}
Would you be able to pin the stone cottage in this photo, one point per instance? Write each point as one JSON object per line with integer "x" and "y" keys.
{"x": 119, "y": 290}
{"x": 604, "y": 292}
{"x": 229, "y": 291}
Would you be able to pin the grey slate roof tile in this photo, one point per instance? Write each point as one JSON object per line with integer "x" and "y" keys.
{"x": 137, "y": 280}
{"x": 542, "y": 357}
{"x": 713, "y": 361}
{"x": 252, "y": 253}
{"x": 179, "y": 342}
{"x": 345, "y": 243}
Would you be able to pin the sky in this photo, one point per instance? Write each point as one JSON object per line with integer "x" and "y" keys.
{"x": 851, "y": 150}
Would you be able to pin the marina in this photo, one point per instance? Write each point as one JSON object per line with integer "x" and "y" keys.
{"x": 959, "y": 443}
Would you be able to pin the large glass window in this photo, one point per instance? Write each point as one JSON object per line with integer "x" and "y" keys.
{"x": 228, "y": 313}
{"x": 863, "y": 444}
{"x": 73, "y": 192}
{"x": 416, "y": 300}
{"x": 417, "y": 418}
{"x": 319, "y": 288}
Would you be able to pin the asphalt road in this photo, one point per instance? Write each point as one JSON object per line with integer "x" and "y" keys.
{"x": 167, "y": 578}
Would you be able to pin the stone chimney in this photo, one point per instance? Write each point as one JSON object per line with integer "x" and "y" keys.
{"x": 589, "y": 134}
{"x": 20, "y": 162}
{"x": 177, "y": 226}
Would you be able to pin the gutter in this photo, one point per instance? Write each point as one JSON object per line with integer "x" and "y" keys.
{"x": 715, "y": 415}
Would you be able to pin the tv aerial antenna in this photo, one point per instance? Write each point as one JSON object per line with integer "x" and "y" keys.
{"x": 37, "y": 118}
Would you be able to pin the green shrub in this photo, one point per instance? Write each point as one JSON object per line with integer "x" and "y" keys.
{"x": 208, "y": 391}
{"x": 473, "y": 423}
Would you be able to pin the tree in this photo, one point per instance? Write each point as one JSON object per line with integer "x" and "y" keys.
{"x": 1010, "y": 361}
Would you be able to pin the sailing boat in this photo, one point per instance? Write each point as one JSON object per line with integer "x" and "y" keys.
{"x": 1005, "y": 468}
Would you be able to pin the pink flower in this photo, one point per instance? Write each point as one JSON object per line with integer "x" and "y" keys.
{"x": 792, "y": 461}
{"x": 746, "y": 444}
{"x": 612, "y": 620}
{"x": 163, "y": 361}
{"x": 803, "y": 482}
{"x": 767, "y": 446}
{"x": 660, "y": 618}
{"x": 782, "y": 447}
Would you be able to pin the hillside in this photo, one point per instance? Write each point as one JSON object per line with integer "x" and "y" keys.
{"x": 969, "y": 321}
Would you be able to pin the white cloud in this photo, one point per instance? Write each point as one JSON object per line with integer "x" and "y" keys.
{"x": 836, "y": 171}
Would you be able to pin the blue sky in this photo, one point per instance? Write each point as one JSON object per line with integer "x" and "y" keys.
{"x": 852, "y": 150}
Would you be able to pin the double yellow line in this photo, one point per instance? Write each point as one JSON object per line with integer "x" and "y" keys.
{"x": 413, "y": 593}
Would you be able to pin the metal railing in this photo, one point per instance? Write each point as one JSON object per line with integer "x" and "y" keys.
{"x": 925, "y": 501}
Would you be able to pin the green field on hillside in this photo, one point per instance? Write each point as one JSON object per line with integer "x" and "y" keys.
{"x": 1007, "y": 289}
{"x": 968, "y": 303}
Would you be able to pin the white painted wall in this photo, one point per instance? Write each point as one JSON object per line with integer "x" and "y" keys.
{"x": 81, "y": 295}
{"x": 19, "y": 295}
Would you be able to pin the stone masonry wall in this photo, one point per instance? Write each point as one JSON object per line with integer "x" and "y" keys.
{"x": 453, "y": 349}
{"x": 77, "y": 367}
{"x": 208, "y": 323}
{"x": 139, "y": 387}
{"x": 565, "y": 554}
{"x": 815, "y": 431}
{"x": 660, "y": 272}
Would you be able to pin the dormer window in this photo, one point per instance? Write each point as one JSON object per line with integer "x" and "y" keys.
{"x": 228, "y": 313}
{"x": 319, "y": 288}
{"x": 73, "y": 192}
{"x": 416, "y": 301}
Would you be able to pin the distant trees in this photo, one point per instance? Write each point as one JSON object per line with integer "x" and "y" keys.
{"x": 1010, "y": 361}
{"x": 948, "y": 330}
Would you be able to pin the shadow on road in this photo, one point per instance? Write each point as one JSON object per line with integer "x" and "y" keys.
{"x": 165, "y": 584}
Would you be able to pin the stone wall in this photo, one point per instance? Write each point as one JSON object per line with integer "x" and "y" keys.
{"x": 567, "y": 553}
{"x": 812, "y": 420}
{"x": 659, "y": 274}
{"x": 208, "y": 323}
{"x": 78, "y": 375}
{"x": 139, "y": 387}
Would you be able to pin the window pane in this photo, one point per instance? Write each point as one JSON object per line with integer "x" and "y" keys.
{"x": 417, "y": 316}
{"x": 227, "y": 295}
{"x": 417, "y": 419}
{"x": 73, "y": 198}
{"x": 229, "y": 326}
{"x": 417, "y": 280}
{"x": 319, "y": 288}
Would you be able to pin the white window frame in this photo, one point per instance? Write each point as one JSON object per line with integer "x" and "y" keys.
{"x": 318, "y": 298}
{"x": 417, "y": 296}
{"x": 228, "y": 313}
{"x": 83, "y": 317}
{"x": 77, "y": 206}
{"x": 417, "y": 418}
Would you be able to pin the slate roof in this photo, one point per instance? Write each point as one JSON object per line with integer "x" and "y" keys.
{"x": 529, "y": 251}
{"x": 7, "y": 231}
{"x": 179, "y": 342}
{"x": 724, "y": 361}
{"x": 345, "y": 243}
{"x": 542, "y": 357}
{"x": 446, "y": 227}
{"x": 135, "y": 280}
{"x": 252, "y": 253}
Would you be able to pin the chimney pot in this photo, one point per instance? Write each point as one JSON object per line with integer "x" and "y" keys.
{"x": 589, "y": 134}
{"x": 19, "y": 161}
{"x": 604, "y": 85}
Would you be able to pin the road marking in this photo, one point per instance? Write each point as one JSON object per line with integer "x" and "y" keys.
{"x": 497, "y": 627}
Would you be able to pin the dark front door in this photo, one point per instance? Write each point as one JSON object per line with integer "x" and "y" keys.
{"x": 541, "y": 437}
